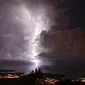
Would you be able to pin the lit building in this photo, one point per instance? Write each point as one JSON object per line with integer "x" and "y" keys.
{"x": 82, "y": 79}
{"x": 51, "y": 81}
{"x": 9, "y": 74}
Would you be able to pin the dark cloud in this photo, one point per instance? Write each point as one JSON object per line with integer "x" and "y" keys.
{"x": 67, "y": 44}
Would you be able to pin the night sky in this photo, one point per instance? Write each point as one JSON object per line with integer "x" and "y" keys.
{"x": 51, "y": 32}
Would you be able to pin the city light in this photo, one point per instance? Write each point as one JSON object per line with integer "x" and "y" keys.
{"x": 10, "y": 75}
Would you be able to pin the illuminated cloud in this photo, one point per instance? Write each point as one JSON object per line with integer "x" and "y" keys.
{"x": 29, "y": 29}
{"x": 22, "y": 28}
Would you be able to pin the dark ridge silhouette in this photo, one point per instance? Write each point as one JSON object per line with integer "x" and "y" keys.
{"x": 36, "y": 77}
{"x": 6, "y": 70}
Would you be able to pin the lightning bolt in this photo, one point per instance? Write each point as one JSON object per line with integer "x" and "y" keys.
{"x": 33, "y": 42}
